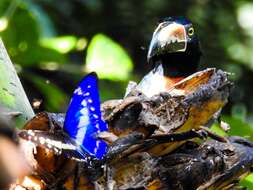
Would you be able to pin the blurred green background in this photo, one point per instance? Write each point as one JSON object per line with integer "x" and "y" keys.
{"x": 54, "y": 43}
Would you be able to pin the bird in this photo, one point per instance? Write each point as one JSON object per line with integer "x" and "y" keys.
{"x": 174, "y": 52}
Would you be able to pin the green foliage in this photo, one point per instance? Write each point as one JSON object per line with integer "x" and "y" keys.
{"x": 248, "y": 182}
{"x": 45, "y": 41}
{"x": 12, "y": 95}
{"x": 62, "y": 44}
{"x": 218, "y": 130}
{"x": 55, "y": 98}
{"x": 32, "y": 43}
{"x": 238, "y": 127}
{"x": 22, "y": 36}
{"x": 108, "y": 59}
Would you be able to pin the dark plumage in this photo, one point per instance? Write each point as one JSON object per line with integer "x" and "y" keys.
{"x": 174, "y": 52}
{"x": 176, "y": 62}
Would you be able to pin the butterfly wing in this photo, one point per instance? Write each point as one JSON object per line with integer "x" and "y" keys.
{"x": 56, "y": 142}
{"x": 83, "y": 119}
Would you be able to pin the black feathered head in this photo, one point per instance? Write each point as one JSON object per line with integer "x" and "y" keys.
{"x": 175, "y": 42}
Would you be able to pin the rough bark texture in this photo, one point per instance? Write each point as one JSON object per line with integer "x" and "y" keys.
{"x": 144, "y": 137}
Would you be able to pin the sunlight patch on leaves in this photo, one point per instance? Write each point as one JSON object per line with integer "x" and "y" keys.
{"x": 108, "y": 59}
{"x": 62, "y": 44}
{"x": 3, "y": 23}
{"x": 244, "y": 17}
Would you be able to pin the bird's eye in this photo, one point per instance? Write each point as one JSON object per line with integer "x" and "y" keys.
{"x": 190, "y": 31}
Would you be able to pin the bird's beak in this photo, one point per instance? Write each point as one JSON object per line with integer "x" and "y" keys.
{"x": 168, "y": 39}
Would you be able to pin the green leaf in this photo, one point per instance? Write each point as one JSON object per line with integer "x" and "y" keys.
{"x": 12, "y": 94}
{"x": 25, "y": 49}
{"x": 247, "y": 181}
{"x": 62, "y": 44}
{"x": 23, "y": 23}
{"x": 38, "y": 56}
{"x": 239, "y": 127}
{"x": 108, "y": 59}
{"x": 216, "y": 129}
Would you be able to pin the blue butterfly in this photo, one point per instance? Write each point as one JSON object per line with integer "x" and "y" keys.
{"x": 83, "y": 121}
{"x": 83, "y": 118}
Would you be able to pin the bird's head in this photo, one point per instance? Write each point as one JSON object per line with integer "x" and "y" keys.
{"x": 175, "y": 43}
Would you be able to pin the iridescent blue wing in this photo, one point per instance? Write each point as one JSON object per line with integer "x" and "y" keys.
{"x": 57, "y": 142}
{"x": 83, "y": 118}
